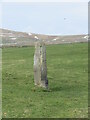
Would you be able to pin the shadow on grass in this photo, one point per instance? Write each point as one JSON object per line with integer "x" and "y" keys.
{"x": 55, "y": 89}
{"x": 68, "y": 88}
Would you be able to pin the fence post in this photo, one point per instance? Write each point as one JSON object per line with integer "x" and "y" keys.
{"x": 40, "y": 67}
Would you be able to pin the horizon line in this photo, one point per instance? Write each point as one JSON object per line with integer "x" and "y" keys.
{"x": 45, "y": 34}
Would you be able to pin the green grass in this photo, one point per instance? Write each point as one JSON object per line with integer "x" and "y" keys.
{"x": 67, "y": 66}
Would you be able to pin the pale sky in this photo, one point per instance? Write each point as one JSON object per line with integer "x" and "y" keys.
{"x": 63, "y": 18}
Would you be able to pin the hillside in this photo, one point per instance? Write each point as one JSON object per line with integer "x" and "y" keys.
{"x": 14, "y": 38}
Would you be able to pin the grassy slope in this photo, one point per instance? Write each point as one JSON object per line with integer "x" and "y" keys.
{"x": 68, "y": 80}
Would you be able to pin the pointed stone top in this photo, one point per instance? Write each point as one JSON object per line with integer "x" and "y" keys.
{"x": 39, "y": 43}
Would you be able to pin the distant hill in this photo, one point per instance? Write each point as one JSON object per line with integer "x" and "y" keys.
{"x": 14, "y": 38}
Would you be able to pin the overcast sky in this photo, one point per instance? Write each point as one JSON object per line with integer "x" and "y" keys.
{"x": 46, "y": 18}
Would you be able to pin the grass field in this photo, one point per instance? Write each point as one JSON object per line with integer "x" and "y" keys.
{"x": 67, "y": 66}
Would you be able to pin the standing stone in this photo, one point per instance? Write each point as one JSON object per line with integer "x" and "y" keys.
{"x": 40, "y": 68}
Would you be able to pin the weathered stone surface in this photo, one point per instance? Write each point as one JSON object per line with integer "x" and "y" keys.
{"x": 40, "y": 68}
